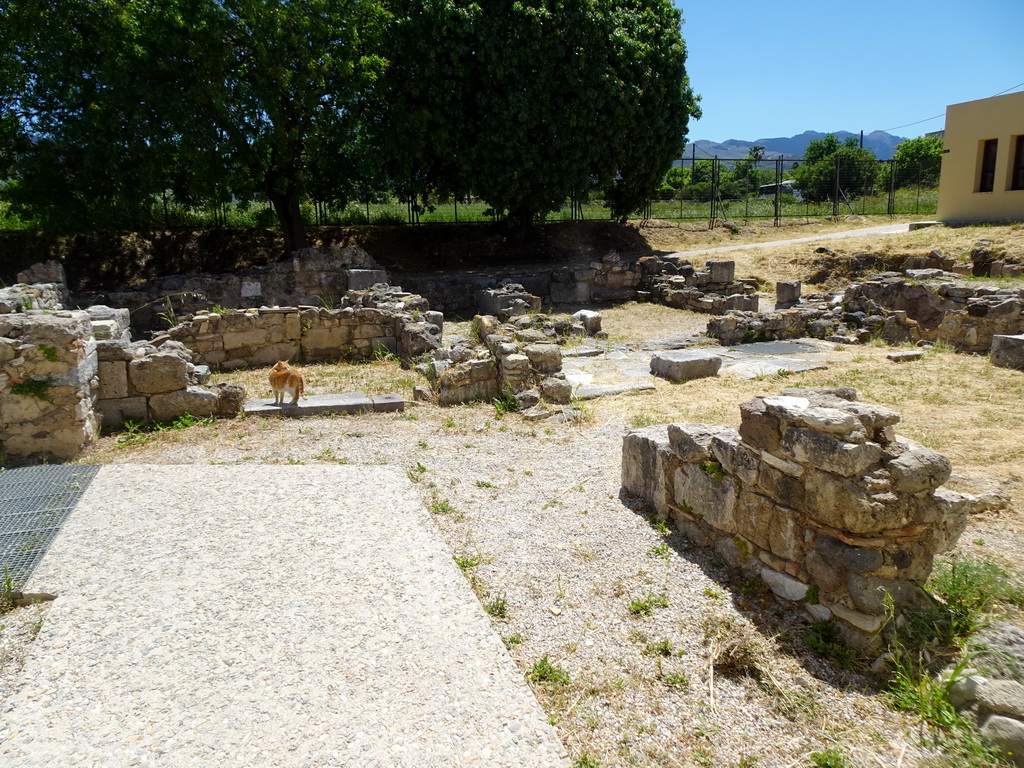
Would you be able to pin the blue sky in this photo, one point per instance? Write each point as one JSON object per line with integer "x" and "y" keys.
{"x": 778, "y": 69}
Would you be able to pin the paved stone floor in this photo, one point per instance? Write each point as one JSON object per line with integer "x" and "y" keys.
{"x": 264, "y": 616}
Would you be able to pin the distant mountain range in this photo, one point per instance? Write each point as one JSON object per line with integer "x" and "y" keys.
{"x": 884, "y": 144}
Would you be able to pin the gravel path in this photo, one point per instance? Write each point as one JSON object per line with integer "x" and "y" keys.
{"x": 264, "y": 616}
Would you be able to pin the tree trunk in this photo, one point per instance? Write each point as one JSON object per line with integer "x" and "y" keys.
{"x": 292, "y": 226}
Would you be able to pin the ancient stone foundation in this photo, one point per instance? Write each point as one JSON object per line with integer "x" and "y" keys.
{"x": 49, "y": 386}
{"x": 386, "y": 322}
{"x": 713, "y": 289}
{"x": 66, "y": 373}
{"x": 816, "y": 494}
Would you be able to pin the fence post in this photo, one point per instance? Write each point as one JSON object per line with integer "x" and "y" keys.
{"x": 835, "y": 193}
{"x": 920, "y": 175}
{"x": 777, "y": 201}
{"x": 892, "y": 187}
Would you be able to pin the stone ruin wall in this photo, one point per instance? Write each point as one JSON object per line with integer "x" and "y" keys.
{"x": 713, "y": 289}
{"x": 264, "y": 336}
{"x": 49, "y": 387}
{"x": 67, "y": 373}
{"x": 310, "y": 276}
{"x": 815, "y": 494}
{"x": 662, "y": 279}
{"x": 889, "y": 307}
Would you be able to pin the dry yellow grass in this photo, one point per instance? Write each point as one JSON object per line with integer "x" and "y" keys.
{"x": 791, "y": 262}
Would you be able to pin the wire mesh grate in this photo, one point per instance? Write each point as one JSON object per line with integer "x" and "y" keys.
{"x": 34, "y": 503}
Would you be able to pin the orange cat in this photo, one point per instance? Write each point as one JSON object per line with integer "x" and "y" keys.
{"x": 286, "y": 380}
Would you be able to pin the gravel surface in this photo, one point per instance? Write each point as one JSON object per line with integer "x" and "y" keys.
{"x": 258, "y": 616}
{"x": 533, "y": 511}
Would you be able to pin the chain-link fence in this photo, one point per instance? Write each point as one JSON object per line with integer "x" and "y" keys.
{"x": 714, "y": 189}
{"x": 709, "y": 188}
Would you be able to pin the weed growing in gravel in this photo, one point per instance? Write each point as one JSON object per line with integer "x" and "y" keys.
{"x": 498, "y": 607}
{"x": 444, "y": 507}
{"x": 467, "y": 562}
{"x": 415, "y": 472}
{"x": 6, "y": 589}
{"x": 972, "y": 590}
{"x": 659, "y": 648}
{"x": 660, "y": 550}
{"x": 830, "y": 758}
{"x": 505, "y": 404}
{"x": 679, "y": 681}
{"x": 660, "y": 526}
{"x": 134, "y": 433}
{"x": 913, "y": 689}
{"x": 543, "y": 671}
{"x": 644, "y": 606}
{"x": 483, "y": 484}
{"x": 825, "y": 638}
{"x": 586, "y": 761}
{"x": 511, "y": 641}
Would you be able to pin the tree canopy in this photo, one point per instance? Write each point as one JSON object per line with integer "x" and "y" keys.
{"x": 109, "y": 107}
{"x": 918, "y": 161}
{"x": 824, "y": 158}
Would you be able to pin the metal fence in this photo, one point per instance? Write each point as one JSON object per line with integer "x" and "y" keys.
{"x": 711, "y": 189}
{"x": 695, "y": 189}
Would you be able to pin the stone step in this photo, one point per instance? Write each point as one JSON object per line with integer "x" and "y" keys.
{"x": 322, "y": 405}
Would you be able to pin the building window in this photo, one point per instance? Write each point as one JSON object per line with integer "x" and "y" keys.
{"x": 987, "y": 178}
{"x": 1017, "y": 169}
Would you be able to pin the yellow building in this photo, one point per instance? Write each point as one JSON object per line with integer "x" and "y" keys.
{"x": 983, "y": 161}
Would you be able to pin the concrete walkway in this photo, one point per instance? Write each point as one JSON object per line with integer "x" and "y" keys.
{"x": 886, "y": 229}
{"x": 264, "y": 616}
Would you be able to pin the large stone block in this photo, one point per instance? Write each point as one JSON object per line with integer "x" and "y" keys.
{"x": 828, "y": 453}
{"x": 158, "y": 373}
{"x": 845, "y": 505}
{"x": 1007, "y": 733}
{"x": 691, "y": 443}
{"x": 707, "y": 494}
{"x": 1008, "y": 351}
{"x": 418, "y": 338}
{"x": 919, "y": 470}
{"x": 768, "y": 524}
{"x": 646, "y": 464}
{"x": 196, "y": 401}
{"x": 113, "y": 375}
{"x": 720, "y": 271}
{"x": 250, "y": 337}
{"x": 758, "y": 428}
{"x": 546, "y": 358}
{"x": 361, "y": 279}
{"x": 684, "y": 365}
{"x": 735, "y": 458}
{"x": 114, "y": 413}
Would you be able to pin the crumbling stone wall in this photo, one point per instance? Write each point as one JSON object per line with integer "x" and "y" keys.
{"x": 49, "y": 386}
{"x": 519, "y": 357}
{"x": 889, "y": 307}
{"x": 613, "y": 278}
{"x": 815, "y": 493}
{"x": 308, "y": 276}
{"x": 388, "y": 321}
{"x": 713, "y": 289}
{"x": 66, "y": 373}
{"x": 141, "y": 383}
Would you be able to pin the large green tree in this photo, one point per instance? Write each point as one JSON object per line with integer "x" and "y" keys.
{"x": 918, "y": 161}
{"x": 119, "y": 102}
{"x": 528, "y": 105}
{"x": 826, "y": 158}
